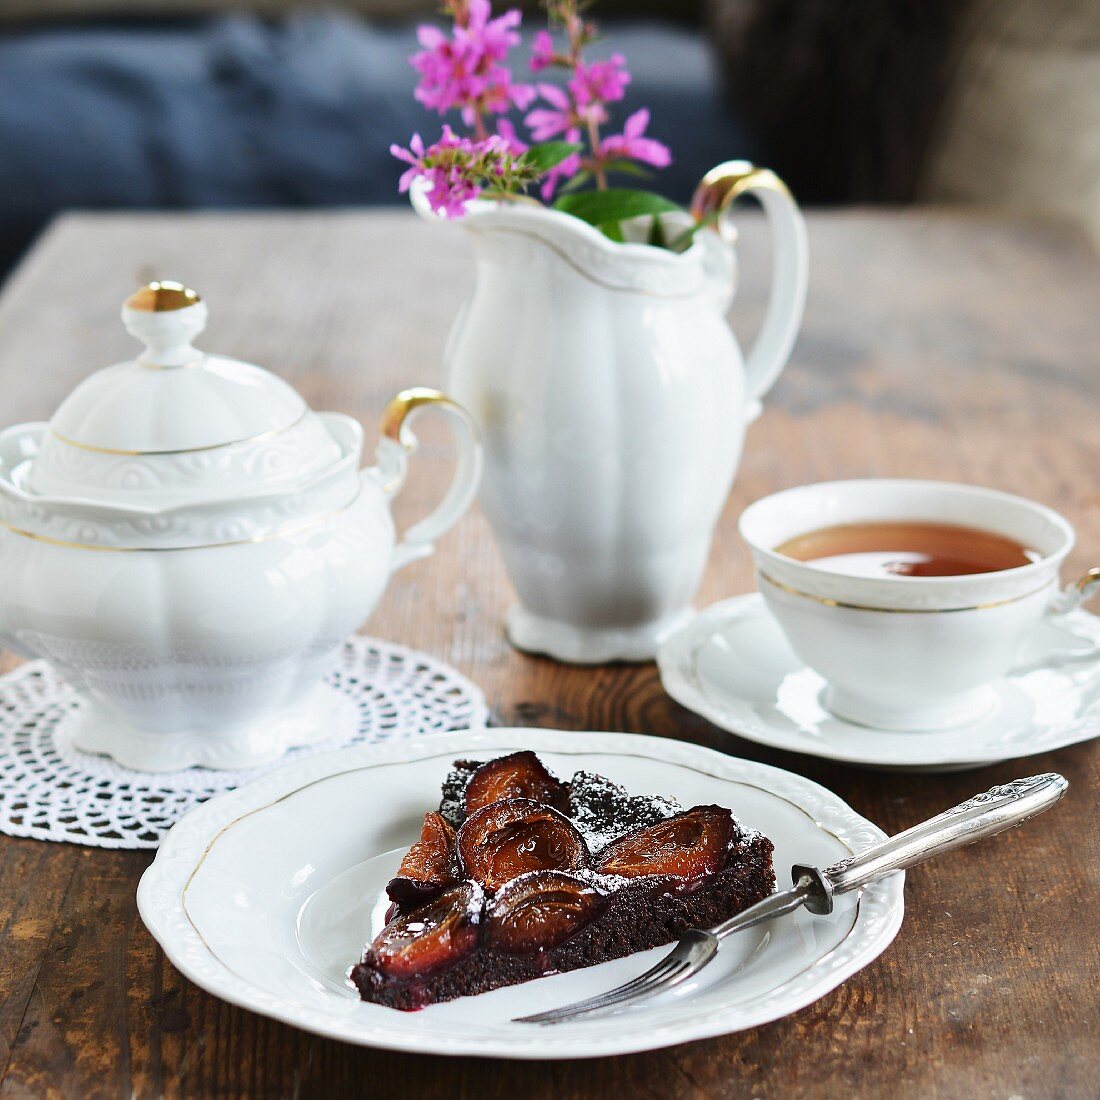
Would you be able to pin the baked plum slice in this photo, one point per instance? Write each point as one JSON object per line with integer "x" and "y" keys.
{"x": 519, "y": 775}
{"x": 541, "y": 910}
{"x": 510, "y": 838}
{"x": 431, "y": 938}
{"x": 689, "y": 845}
{"x": 429, "y": 866}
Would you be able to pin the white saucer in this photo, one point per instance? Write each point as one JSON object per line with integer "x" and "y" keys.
{"x": 264, "y": 897}
{"x": 733, "y": 665}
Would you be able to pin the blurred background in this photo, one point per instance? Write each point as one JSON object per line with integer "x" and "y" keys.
{"x": 176, "y": 104}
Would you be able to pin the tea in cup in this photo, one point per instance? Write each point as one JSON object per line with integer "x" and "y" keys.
{"x": 910, "y": 598}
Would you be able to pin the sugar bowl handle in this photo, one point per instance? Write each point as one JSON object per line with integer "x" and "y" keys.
{"x": 394, "y": 449}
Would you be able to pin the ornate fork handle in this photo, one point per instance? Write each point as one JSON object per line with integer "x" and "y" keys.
{"x": 999, "y": 808}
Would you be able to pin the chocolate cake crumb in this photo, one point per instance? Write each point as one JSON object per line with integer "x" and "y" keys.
{"x": 452, "y": 806}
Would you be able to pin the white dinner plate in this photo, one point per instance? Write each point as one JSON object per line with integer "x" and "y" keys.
{"x": 733, "y": 665}
{"x": 264, "y": 896}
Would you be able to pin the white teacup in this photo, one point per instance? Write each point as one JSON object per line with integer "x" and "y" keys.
{"x": 910, "y": 653}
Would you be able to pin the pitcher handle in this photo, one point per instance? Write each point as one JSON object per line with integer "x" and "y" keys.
{"x": 398, "y": 443}
{"x": 714, "y": 196}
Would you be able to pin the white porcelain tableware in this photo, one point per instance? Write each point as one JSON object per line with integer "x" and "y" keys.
{"x": 263, "y": 897}
{"x": 188, "y": 543}
{"x": 733, "y": 665}
{"x": 613, "y": 400}
{"x": 900, "y": 652}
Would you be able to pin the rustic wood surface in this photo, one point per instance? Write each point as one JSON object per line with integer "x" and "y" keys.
{"x": 939, "y": 344}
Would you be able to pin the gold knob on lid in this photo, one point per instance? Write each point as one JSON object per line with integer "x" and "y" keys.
{"x": 165, "y": 317}
{"x": 162, "y": 296}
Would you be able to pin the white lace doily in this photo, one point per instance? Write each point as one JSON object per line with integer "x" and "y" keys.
{"x": 51, "y": 791}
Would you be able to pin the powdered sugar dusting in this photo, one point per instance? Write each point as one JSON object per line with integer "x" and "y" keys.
{"x": 602, "y": 811}
{"x": 602, "y": 882}
{"x": 475, "y": 904}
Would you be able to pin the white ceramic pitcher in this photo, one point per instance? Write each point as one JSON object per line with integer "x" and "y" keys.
{"x": 613, "y": 399}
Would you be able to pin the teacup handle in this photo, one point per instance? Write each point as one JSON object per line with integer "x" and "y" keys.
{"x": 398, "y": 443}
{"x": 1074, "y": 595}
{"x": 717, "y": 192}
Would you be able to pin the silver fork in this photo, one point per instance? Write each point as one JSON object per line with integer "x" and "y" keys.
{"x": 999, "y": 808}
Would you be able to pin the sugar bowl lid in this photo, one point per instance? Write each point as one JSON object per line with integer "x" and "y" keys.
{"x": 173, "y": 397}
{"x": 176, "y": 425}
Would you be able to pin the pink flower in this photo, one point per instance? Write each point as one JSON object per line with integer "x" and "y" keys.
{"x": 544, "y": 123}
{"x": 498, "y": 95}
{"x": 450, "y": 191}
{"x": 507, "y": 132}
{"x": 444, "y": 166}
{"x": 600, "y": 82}
{"x": 632, "y": 145}
{"x": 565, "y": 169}
{"x": 466, "y": 71}
{"x": 491, "y": 38}
{"x": 443, "y": 68}
{"x": 542, "y": 51}
{"x": 457, "y": 169}
{"x": 465, "y": 68}
{"x": 414, "y": 155}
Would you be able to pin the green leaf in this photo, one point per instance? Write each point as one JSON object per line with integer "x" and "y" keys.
{"x": 657, "y": 236}
{"x": 576, "y": 183}
{"x": 614, "y": 205}
{"x": 682, "y": 239}
{"x": 613, "y": 231}
{"x": 545, "y": 156}
{"x": 628, "y": 168}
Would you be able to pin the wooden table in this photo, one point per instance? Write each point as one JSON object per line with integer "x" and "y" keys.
{"x": 944, "y": 344}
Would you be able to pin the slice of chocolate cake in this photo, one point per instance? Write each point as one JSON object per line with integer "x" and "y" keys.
{"x": 519, "y": 875}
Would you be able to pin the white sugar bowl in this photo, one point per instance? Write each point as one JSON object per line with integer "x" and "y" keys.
{"x": 189, "y": 544}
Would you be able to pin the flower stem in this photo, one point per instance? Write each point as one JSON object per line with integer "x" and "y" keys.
{"x": 594, "y": 142}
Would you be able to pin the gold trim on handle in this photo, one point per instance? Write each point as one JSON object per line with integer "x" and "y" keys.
{"x": 827, "y": 602}
{"x": 162, "y": 296}
{"x": 1090, "y": 578}
{"x": 725, "y": 183}
{"x": 396, "y": 413}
